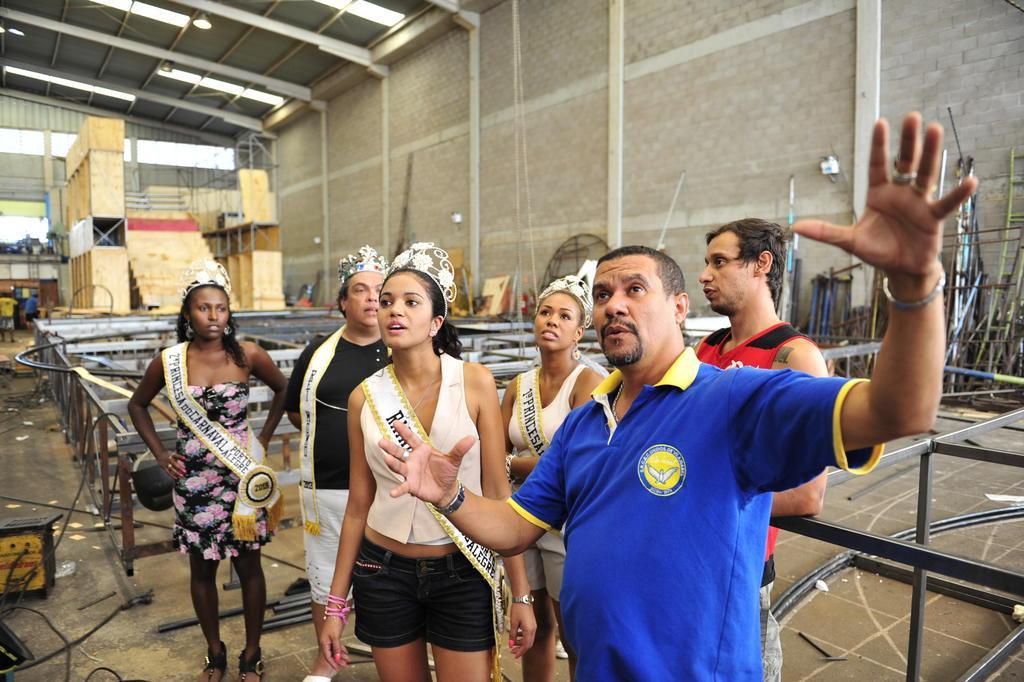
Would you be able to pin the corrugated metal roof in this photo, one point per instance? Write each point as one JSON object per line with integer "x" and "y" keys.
{"x": 19, "y": 113}
{"x": 230, "y": 42}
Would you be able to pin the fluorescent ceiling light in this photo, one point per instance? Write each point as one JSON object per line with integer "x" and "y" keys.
{"x": 159, "y": 14}
{"x": 56, "y": 80}
{"x": 203, "y": 22}
{"x": 222, "y": 86}
{"x": 144, "y": 9}
{"x": 264, "y": 97}
{"x": 376, "y": 13}
{"x": 366, "y": 10}
{"x": 15, "y": 31}
{"x": 179, "y": 75}
{"x": 123, "y": 5}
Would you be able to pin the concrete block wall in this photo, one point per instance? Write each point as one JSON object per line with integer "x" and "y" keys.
{"x": 740, "y": 121}
{"x": 564, "y": 47}
{"x": 968, "y": 57}
{"x": 300, "y": 196}
{"x": 354, "y": 169}
{"x": 428, "y": 115}
{"x": 742, "y": 95}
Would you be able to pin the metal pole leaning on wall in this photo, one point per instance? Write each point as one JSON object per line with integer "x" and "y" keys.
{"x": 920, "y": 593}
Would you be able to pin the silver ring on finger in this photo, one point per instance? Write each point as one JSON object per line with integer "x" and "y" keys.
{"x": 899, "y": 178}
{"x": 405, "y": 456}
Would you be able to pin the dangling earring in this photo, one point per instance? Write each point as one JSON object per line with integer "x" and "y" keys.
{"x": 189, "y": 332}
{"x": 230, "y": 329}
{"x": 576, "y": 352}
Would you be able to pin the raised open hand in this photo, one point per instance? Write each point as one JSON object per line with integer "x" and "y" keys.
{"x": 901, "y": 229}
{"x": 429, "y": 473}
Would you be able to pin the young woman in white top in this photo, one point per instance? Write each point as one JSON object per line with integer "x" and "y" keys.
{"x": 551, "y": 391}
{"x": 415, "y": 578}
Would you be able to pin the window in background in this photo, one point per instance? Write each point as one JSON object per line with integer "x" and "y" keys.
{"x": 15, "y": 141}
{"x": 186, "y": 155}
{"x": 15, "y": 228}
{"x": 60, "y": 143}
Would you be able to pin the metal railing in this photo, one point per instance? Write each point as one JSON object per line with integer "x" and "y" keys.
{"x": 126, "y": 342}
{"x": 916, "y": 552}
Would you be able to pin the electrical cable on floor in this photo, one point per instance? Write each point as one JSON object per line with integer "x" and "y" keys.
{"x": 68, "y": 646}
{"x": 113, "y": 672}
{"x": 67, "y": 663}
{"x": 24, "y": 581}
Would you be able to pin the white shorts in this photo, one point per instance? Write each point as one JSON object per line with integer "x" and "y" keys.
{"x": 545, "y": 562}
{"x": 322, "y": 550}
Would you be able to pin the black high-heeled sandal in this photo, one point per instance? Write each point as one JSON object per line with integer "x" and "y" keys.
{"x": 252, "y": 666}
{"x": 215, "y": 662}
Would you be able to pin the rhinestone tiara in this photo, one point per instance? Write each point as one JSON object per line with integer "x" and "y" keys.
{"x": 575, "y": 287}
{"x": 366, "y": 259}
{"x": 202, "y": 273}
{"x": 433, "y": 262}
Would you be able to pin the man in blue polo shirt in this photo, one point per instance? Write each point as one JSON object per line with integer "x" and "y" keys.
{"x": 659, "y": 481}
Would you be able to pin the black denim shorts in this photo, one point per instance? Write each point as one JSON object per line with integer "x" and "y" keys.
{"x": 401, "y": 599}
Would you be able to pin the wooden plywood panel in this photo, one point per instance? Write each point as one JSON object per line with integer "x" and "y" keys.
{"x": 81, "y": 281}
{"x": 77, "y": 207}
{"x": 106, "y": 183}
{"x": 255, "y": 188}
{"x": 157, "y": 260}
{"x": 242, "y": 284}
{"x": 106, "y": 134}
{"x": 231, "y": 264}
{"x": 109, "y": 277}
{"x": 267, "y": 285}
{"x": 497, "y": 295}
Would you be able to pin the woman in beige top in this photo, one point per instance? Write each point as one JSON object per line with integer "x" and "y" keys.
{"x": 560, "y": 384}
{"x": 415, "y": 579}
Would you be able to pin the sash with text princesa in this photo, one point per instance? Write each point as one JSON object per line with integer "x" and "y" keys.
{"x": 258, "y": 487}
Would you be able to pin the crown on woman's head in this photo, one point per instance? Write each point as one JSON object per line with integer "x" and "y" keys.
{"x": 365, "y": 260}
{"x": 204, "y": 272}
{"x": 433, "y": 262}
{"x": 575, "y": 287}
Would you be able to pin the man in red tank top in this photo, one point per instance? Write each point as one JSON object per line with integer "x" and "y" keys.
{"x": 742, "y": 280}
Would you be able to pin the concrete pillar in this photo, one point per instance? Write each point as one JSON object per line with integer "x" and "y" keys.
{"x": 326, "y": 294}
{"x": 385, "y": 167}
{"x": 474, "y": 159}
{"x": 47, "y": 163}
{"x": 866, "y": 111}
{"x": 616, "y": 67}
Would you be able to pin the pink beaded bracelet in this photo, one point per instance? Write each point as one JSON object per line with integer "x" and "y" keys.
{"x": 337, "y": 607}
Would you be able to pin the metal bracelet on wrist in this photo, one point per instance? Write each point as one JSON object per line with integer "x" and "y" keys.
{"x": 913, "y": 305}
{"x": 508, "y": 467}
{"x": 453, "y": 506}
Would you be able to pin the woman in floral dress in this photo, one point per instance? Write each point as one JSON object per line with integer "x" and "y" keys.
{"x": 219, "y": 368}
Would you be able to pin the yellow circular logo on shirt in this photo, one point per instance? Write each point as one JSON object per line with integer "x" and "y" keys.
{"x": 662, "y": 470}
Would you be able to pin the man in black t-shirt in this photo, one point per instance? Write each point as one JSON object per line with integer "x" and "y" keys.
{"x": 328, "y": 370}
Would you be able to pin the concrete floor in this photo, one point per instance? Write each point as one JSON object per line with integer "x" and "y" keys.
{"x": 863, "y": 616}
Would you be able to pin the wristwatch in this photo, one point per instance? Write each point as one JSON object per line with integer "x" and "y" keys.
{"x": 457, "y": 500}
{"x": 528, "y": 599}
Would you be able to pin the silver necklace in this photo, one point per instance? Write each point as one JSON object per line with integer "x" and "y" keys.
{"x": 425, "y": 393}
{"x": 615, "y": 404}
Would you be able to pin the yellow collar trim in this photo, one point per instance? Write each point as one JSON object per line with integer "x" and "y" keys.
{"x": 681, "y": 374}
